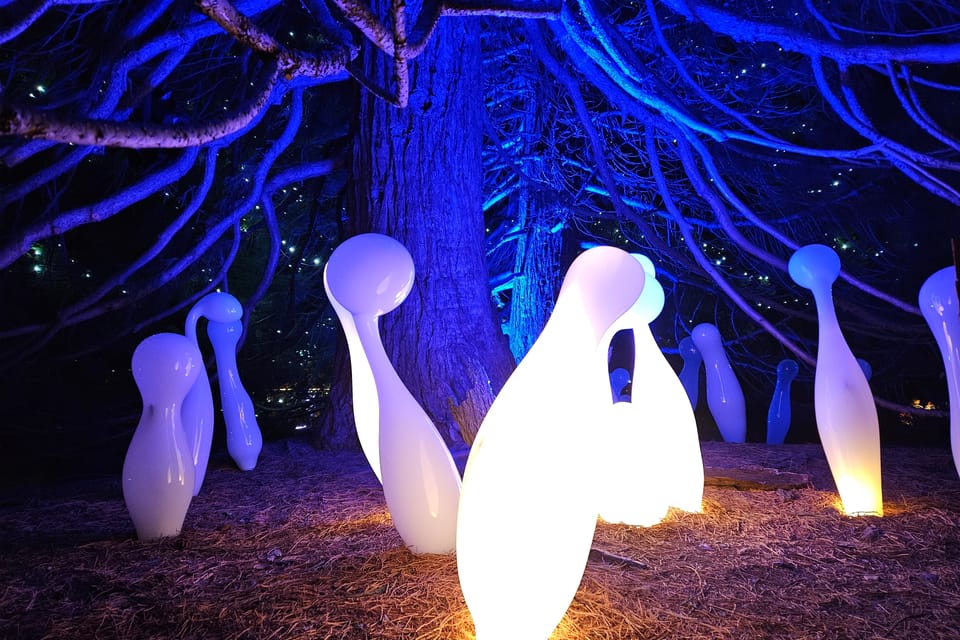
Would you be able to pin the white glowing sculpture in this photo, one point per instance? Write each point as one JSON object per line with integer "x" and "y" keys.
{"x": 158, "y": 473}
{"x": 663, "y": 423}
{"x": 366, "y": 409}
{"x": 779, "y": 414}
{"x": 938, "y": 302}
{"x": 724, "y": 395}
{"x": 530, "y": 481}
{"x": 197, "y": 410}
{"x": 846, "y": 414}
{"x": 370, "y": 275}
{"x": 633, "y": 489}
{"x": 690, "y": 373}
{"x": 244, "y": 440}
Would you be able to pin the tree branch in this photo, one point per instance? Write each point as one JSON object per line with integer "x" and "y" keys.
{"x": 29, "y": 123}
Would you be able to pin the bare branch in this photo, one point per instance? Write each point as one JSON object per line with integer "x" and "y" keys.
{"x": 744, "y": 29}
{"x": 29, "y": 123}
{"x": 32, "y": 13}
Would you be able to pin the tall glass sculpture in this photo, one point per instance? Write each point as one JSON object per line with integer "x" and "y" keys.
{"x": 653, "y": 460}
{"x": 938, "y": 302}
{"x": 530, "y": 482}
{"x": 846, "y": 413}
{"x": 724, "y": 394}
{"x": 158, "y": 471}
{"x": 690, "y": 372}
{"x": 779, "y": 414}
{"x": 244, "y": 440}
{"x": 198, "y": 413}
{"x": 366, "y": 277}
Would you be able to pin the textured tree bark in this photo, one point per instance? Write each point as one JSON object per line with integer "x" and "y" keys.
{"x": 417, "y": 178}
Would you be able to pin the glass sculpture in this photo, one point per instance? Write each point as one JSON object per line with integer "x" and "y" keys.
{"x": 158, "y": 472}
{"x": 366, "y": 277}
{"x": 657, "y": 432}
{"x": 779, "y": 413}
{"x": 846, "y": 413}
{"x": 724, "y": 394}
{"x": 690, "y": 372}
{"x": 529, "y": 503}
{"x": 197, "y": 413}
{"x": 619, "y": 379}
{"x": 938, "y": 302}
{"x": 244, "y": 440}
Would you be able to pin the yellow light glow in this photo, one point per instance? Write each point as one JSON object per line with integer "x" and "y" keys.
{"x": 528, "y": 508}
{"x": 859, "y": 494}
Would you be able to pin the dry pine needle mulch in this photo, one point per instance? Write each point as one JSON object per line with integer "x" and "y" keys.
{"x": 303, "y": 547}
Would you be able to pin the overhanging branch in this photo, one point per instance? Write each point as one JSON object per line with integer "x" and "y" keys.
{"x": 18, "y": 120}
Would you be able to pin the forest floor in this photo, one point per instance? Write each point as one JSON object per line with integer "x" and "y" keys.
{"x": 303, "y": 547}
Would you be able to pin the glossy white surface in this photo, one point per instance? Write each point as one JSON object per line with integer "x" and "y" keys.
{"x": 724, "y": 394}
{"x": 244, "y": 440}
{"x": 370, "y": 275}
{"x": 846, "y": 413}
{"x": 662, "y": 422}
{"x": 197, "y": 410}
{"x": 938, "y": 302}
{"x": 158, "y": 472}
{"x": 530, "y": 484}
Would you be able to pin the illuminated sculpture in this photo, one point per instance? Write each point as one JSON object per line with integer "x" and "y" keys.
{"x": 938, "y": 302}
{"x": 724, "y": 395}
{"x": 867, "y": 369}
{"x": 197, "y": 410}
{"x": 366, "y": 410}
{"x": 530, "y": 481}
{"x": 619, "y": 379}
{"x": 690, "y": 373}
{"x": 632, "y": 488}
{"x": 244, "y": 440}
{"x": 779, "y": 415}
{"x": 654, "y": 455}
{"x": 846, "y": 414}
{"x": 367, "y": 276}
{"x": 158, "y": 473}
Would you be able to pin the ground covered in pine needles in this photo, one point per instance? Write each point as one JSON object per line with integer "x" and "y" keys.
{"x": 303, "y": 547}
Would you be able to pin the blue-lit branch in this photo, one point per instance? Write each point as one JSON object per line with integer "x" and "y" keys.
{"x": 744, "y": 133}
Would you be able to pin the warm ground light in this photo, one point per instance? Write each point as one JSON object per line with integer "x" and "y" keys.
{"x": 302, "y": 547}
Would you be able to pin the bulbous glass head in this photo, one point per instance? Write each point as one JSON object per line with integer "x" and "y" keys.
{"x": 815, "y": 265}
{"x": 602, "y": 282}
{"x": 647, "y": 264}
{"x": 218, "y": 306}
{"x": 650, "y": 303}
{"x": 787, "y": 369}
{"x": 165, "y": 366}
{"x": 938, "y": 293}
{"x": 706, "y": 334}
{"x": 370, "y": 274}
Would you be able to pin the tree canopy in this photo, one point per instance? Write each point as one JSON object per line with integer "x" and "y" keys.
{"x": 150, "y": 154}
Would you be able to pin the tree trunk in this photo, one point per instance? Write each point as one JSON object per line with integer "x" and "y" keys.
{"x": 537, "y": 262}
{"x": 417, "y": 178}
